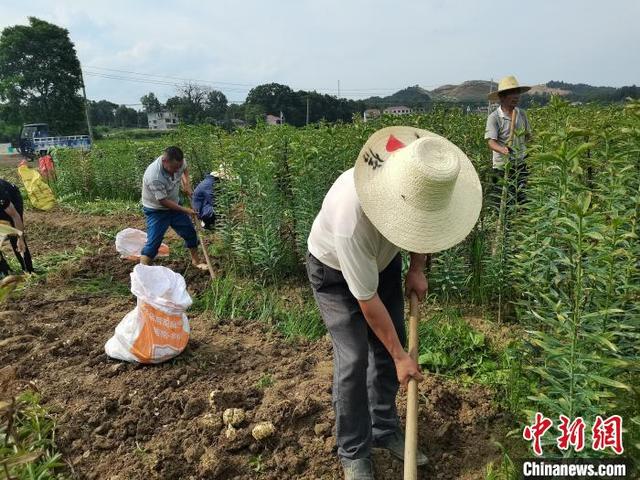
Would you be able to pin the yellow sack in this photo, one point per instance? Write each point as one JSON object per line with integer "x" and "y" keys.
{"x": 40, "y": 194}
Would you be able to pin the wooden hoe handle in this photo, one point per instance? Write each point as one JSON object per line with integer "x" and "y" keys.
{"x": 204, "y": 247}
{"x": 512, "y": 128}
{"x": 411, "y": 431}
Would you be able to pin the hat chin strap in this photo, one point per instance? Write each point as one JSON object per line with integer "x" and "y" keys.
{"x": 424, "y": 173}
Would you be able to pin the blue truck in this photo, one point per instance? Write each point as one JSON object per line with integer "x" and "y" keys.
{"x": 35, "y": 141}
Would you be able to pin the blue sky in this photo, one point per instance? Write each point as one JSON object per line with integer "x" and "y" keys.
{"x": 369, "y": 47}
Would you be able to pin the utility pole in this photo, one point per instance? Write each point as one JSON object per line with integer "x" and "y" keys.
{"x": 307, "y": 110}
{"x": 489, "y": 101}
{"x": 86, "y": 106}
{"x": 338, "y": 88}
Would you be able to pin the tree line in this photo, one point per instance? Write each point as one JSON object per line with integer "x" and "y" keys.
{"x": 197, "y": 104}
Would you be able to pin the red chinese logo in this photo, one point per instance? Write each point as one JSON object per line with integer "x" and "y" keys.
{"x": 605, "y": 433}
{"x": 535, "y": 432}
{"x": 572, "y": 434}
{"x": 608, "y": 433}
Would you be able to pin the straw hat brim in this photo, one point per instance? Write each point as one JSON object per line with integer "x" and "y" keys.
{"x": 494, "y": 96}
{"x": 414, "y": 228}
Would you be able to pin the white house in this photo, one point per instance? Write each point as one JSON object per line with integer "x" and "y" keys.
{"x": 399, "y": 110}
{"x": 370, "y": 114}
{"x": 162, "y": 120}
{"x": 273, "y": 120}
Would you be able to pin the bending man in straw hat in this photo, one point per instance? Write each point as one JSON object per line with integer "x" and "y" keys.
{"x": 410, "y": 189}
{"x": 203, "y": 201}
{"x": 503, "y": 139}
{"x": 161, "y": 205}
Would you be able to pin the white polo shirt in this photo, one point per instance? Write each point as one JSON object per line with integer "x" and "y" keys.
{"x": 157, "y": 184}
{"x": 498, "y": 127}
{"x": 343, "y": 238}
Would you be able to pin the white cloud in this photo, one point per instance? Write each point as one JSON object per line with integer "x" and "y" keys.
{"x": 366, "y": 45}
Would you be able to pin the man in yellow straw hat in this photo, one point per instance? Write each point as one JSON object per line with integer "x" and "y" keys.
{"x": 507, "y": 141}
{"x": 410, "y": 189}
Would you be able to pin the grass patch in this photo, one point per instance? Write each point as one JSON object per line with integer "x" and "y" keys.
{"x": 102, "y": 284}
{"x": 45, "y": 265}
{"x": 56, "y": 260}
{"x": 450, "y": 347}
{"x": 265, "y": 381}
{"x": 27, "y": 440}
{"x": 287, "y": 308}
{"x": 99, "y": 206}
{"x": 503, "y": 469}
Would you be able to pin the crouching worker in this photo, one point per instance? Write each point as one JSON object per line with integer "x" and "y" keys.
{"x": 202, "y": 201}
{"x": 410, "y": 189}
{"x": 11, "y": 213}
{"x": 161, "y": 205}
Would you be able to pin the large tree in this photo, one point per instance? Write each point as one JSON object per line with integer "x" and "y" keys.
{"x": 40, "y": 76}
{"x": 150, "y": 103}
{"x": 216, "y": 105}
{"x": 274, "y": 98}
{"x": 126, "y": 117}
{"x": 102, "y": 112}
{"x": 198, "y": 104}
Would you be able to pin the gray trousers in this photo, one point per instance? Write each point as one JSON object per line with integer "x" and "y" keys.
{"x": 365, "y": 383}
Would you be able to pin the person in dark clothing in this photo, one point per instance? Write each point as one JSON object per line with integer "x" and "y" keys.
{"x": 202, "y": 201}
{"x": 11, "y": 211}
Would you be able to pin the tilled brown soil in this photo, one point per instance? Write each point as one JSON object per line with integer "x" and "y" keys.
{"x": 124, "y": 421}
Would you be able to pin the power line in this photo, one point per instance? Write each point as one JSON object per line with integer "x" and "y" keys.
{"x": 176, "y": 85}
{"x": 363, "y": 90}
{"x": 135, "y": 80}
{"x": 170, "y": 77}
{"x": 145, "y": 80}
{"x": 150, "y": 79}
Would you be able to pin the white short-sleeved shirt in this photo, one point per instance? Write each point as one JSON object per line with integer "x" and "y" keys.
{"x": 498, "y": 127}
{"x": 157, "y": 184}
{"x": 343, "y": 238}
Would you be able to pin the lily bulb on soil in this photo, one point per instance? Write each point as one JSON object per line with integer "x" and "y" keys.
{"x": 263, "y": 430}
{"x": 233, "y": 416}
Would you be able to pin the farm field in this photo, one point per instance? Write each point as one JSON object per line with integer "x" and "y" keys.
{"x": 122, "y": 421}
{"x": 537, "y": 311}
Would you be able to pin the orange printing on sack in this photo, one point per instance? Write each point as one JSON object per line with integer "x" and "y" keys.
{"x": 159, "y": 329}
{"x": 163, "y": 251}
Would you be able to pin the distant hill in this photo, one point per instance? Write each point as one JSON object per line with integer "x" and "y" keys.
{"x": 469, "y": 91}
{"x": 415, "y": 96}
{"x": 475, "y": 91}
{"x": 584, "y": 92}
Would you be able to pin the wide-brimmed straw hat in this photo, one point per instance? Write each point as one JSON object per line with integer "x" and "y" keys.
{"x": 220, "y": 173}
{"x": 508, "y": 84}
{"x": 418, "y": 189}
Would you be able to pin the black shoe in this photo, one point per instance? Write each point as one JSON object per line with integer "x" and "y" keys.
{"x": 357, "y": 469}
{"x": 395, "y": 444}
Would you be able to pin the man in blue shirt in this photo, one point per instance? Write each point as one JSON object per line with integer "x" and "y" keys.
{"x": 202, "y": 201}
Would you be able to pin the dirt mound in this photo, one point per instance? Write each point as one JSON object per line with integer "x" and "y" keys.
{"x": 125, "y": 421}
